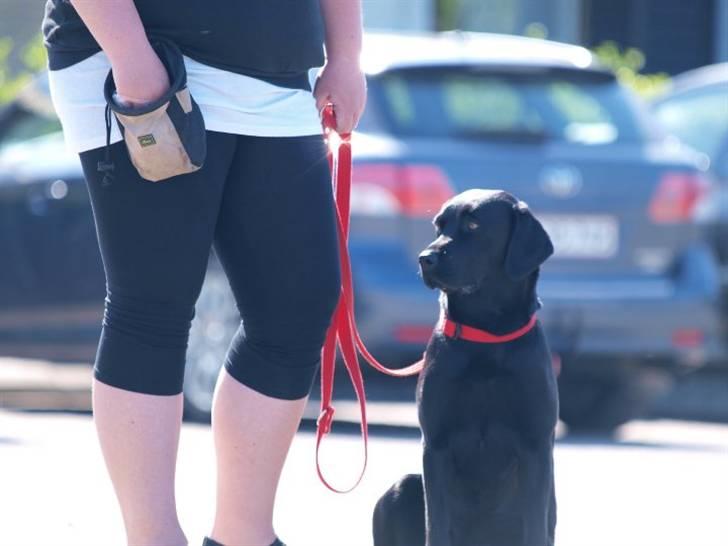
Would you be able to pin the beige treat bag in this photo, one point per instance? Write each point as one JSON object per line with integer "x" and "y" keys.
{"x": 166, "y": 137}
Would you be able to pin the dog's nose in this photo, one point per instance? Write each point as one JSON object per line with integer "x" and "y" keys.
{"x": 428, "y": 260}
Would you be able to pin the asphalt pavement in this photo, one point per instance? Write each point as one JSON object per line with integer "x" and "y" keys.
{"x": 658, "y": 483}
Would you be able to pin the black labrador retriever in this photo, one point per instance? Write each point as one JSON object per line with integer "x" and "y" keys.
{"x": 487, "y": 397}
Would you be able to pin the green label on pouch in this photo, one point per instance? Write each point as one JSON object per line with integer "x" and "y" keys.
{"x": 146, "y": 140}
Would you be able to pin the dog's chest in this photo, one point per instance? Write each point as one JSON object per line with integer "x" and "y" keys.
{"x": 459, "y": 389}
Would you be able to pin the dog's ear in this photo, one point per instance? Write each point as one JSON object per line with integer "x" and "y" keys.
{"x": 529, "y": 245}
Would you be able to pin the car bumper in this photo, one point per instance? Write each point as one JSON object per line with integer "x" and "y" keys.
{"x": 669, "y": 332}
{"x": 667, "y": 321}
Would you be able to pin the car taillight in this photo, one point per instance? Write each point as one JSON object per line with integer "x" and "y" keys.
{"x": 677, "y": 197}
{"x": 387, "y": 189}
{"x": 687, "y": 338}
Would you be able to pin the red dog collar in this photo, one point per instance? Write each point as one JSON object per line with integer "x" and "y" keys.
{"x": 456, "y": 330}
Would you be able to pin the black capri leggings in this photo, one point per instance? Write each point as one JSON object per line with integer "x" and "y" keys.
{"x": 266, "y": 205}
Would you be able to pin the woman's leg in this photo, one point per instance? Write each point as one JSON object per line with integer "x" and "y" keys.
{"x": 252, "y": 435}
{"x": 139, "y": 434}
{"x": 155, "y": 240}
{"x": 276, "y": 240}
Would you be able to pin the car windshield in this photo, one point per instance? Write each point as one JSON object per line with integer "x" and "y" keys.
{"x": 698, "y": 118}
{"x": 530, "y": 106}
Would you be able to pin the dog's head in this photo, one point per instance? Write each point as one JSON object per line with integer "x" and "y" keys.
{"x": 483, "y": 237}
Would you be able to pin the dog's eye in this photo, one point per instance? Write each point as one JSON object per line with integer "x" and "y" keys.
{"x": 472, "y": 226}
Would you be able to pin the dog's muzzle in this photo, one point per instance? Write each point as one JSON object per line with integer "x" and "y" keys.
{"x": 428, "y": 263}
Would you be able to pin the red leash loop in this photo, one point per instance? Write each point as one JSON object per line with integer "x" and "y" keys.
{"x": 343, "y": 331}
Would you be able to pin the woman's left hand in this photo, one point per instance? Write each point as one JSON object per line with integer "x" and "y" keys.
{"x": 342, "y": 83}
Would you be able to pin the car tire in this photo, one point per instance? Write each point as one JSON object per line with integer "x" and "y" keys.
{"x": 215, "y": 323}
{"x": 596, "y": 398}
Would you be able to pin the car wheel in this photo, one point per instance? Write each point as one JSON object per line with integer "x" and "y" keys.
{"x": 597, "y": 398}
{"x": 216, "y": 321}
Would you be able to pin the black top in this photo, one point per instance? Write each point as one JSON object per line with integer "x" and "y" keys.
{"x": 273, "y": 40}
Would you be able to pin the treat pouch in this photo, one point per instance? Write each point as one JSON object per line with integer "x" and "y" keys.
{"x": 165, "y": 137}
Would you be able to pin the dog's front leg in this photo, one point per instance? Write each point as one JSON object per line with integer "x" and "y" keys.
{"x": 538, "y": 497}
{"x": 437, "y": 513}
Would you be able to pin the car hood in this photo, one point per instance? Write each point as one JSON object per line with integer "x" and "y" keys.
{"x": 38, "y": 158}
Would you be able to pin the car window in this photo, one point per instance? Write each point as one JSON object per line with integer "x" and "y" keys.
{"x": 463, "y": 102}
{"x": 24, "y": 125}
{"x": 698, "y": 118}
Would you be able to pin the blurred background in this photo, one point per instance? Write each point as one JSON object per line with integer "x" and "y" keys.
{"x": 609, "y": 117}
{"x": 618, "y": 140}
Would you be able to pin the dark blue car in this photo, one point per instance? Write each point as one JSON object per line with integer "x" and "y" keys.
{"x": 629, "y": 297}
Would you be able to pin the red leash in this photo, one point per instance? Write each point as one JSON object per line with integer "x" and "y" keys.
{"x": 343, "y": 330}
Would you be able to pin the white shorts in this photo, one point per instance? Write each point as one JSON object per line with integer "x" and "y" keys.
{"x": 229, "y": 102}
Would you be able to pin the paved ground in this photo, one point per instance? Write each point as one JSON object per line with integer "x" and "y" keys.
{"x": 660, "y": 483}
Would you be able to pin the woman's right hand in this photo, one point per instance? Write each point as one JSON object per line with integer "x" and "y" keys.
{"x": 139, "y": 75}
{"x": 140, "y": 78}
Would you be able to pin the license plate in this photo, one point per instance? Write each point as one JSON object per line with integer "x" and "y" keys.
{"x": 582, "y": 236}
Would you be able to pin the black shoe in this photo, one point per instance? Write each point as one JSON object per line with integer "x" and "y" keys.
{"x": 209, "y": 542}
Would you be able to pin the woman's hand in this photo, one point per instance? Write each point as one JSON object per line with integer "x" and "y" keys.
{"x": 342, "y": 83}
{"x": 138, "y": 73}
{"x": 140, "y": 79}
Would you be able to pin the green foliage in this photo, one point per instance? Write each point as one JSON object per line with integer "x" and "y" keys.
{"x": 536, "y": 30}
{"x": 627, "y": 64}
{"x": 33, "y": 56}
{"x": 447, "y": 14}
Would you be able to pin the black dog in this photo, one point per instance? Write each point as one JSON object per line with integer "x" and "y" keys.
{"x": 487, "y": 408}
